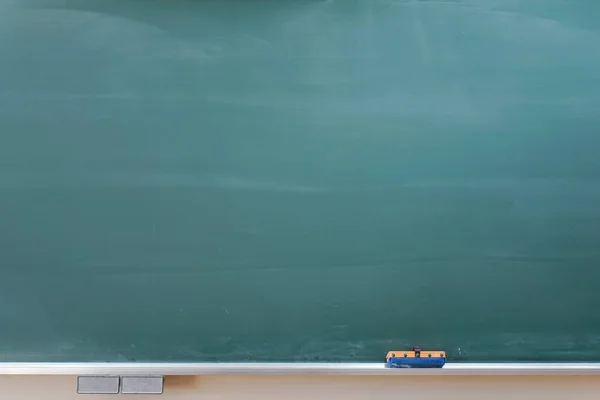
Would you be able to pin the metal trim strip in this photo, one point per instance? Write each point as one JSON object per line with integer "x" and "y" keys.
{"x": 140, "y": 368}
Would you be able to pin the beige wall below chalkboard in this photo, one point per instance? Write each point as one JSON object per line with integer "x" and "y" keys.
{"x": 322, "y": 387}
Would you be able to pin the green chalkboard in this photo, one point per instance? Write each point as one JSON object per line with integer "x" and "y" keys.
{"x": 303, "y": 180}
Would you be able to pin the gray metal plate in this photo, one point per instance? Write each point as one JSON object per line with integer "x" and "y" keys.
{"x": 98, "y": 384}
{"x": 142, "y": 384}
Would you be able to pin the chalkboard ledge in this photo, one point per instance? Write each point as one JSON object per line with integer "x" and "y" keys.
{"x": 15, "y": 368}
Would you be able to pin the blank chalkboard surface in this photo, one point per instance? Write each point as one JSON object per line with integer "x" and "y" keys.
{"x": 302, "y": 180}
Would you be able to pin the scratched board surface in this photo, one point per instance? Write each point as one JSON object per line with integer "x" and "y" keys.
{"x": 300, "y": 180}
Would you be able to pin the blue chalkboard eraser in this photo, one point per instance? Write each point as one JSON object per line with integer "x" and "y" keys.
{"x": 416, "y": 358}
